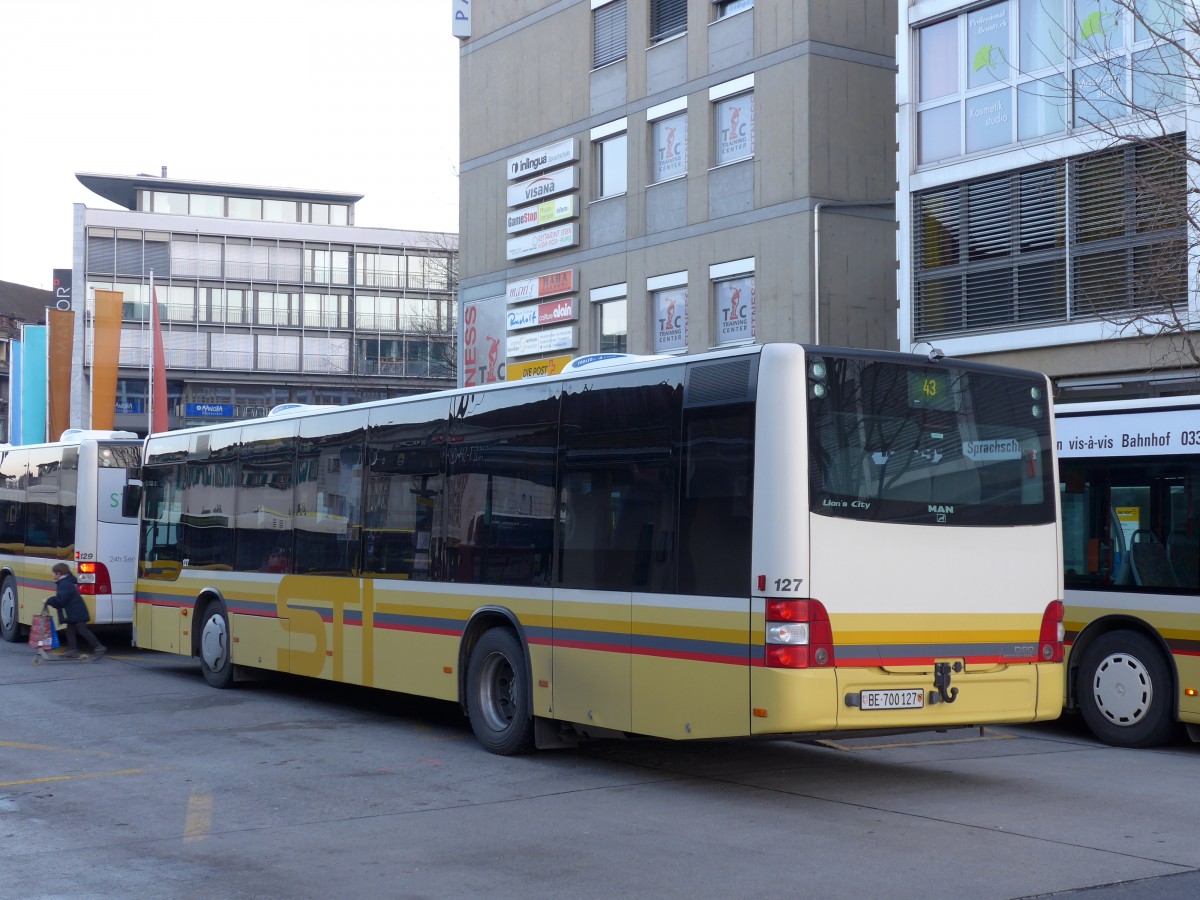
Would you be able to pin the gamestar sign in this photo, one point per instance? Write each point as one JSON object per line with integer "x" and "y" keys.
{"x": 543, "y": 214}
{"x": 543, "y": 158}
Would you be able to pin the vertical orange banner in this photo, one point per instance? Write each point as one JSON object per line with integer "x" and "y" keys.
{"x": 106, "y": 352}
{"x": 62, "y": 334}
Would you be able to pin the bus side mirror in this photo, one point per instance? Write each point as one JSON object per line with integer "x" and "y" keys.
{"x": 131, "y": 500}
{"x": 153, "y": 506}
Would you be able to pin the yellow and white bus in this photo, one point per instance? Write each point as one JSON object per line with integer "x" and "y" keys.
{"x": 774, "y": 541}
{"x": 62, "y": 502}
{"x": 1130, "y": 480}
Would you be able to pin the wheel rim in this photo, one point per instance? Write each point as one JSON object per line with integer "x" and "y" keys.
{"x": 1122, "y": 689}
{"x": 8, "y": 609}
{"x": 214, "y": 643}
{"x": 497, "y": 692}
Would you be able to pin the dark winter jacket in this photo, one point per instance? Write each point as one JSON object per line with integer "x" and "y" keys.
{"x": 69, "y": 601}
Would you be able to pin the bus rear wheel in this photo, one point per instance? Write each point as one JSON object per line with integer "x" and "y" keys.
{"x": 1125, "y": 692}
{"x": 10, "y": 623}
{"x": 498, "y": 694}
{"x": 215, "y": 660}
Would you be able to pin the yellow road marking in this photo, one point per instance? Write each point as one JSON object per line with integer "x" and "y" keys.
{"x": 50, "y": 778}
{"x": 15, "y": 746}
{"x": 199, "y": 818}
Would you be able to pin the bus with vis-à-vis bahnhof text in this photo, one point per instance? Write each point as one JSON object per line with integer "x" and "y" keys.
{"x": 1130, "y": 482}
{"x": 773, "y": 541}
{"x": 62, "y": 502}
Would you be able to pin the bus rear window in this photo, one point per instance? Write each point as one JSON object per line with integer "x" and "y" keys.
{"x": 934, "y": 444}
{"x": 120, "y": 456}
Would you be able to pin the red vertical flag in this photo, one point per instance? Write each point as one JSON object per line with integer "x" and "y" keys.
{"x": 158, "y": 370}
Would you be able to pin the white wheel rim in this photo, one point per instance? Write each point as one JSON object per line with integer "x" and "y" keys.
{"x": 1122, "y": 689}
{"x": 214, "y": 643}
{"x": 8, "y": 609}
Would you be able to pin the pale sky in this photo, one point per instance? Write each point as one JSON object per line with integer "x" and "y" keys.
{"x": 359, "y": 96}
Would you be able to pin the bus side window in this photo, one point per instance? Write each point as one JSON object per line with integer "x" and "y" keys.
{"x": 715, "y": 507}
{"x": 620, "y": 463}
{"x": 1183, "y": 552}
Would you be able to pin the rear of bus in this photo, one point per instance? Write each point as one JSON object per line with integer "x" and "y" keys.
{"x": 907, "y": 559}
{"x": 106, "y": 540}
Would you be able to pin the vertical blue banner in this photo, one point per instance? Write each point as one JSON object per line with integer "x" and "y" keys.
{"x": 14, "y": 394}
{"x": 34, "y": 380}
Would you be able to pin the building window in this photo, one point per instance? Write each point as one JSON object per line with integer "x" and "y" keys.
{"x": 279, "y": 210}
{"x": 668, "y": 312}
{"x": 229, "y": 305}
{"x": 278, "y": 308}
{"x": 246, "y": 262}
{"x": 208, "y": 205}
{"x": 668, "y": 140}
{"x": 327, "y": 354}
{"x": 667, "y": 19}
{"x": 985, "y": 81}
{"x": 195, "y": 260}
{"x": 733, "y": 301}
{"x": 180, "y": 302}
{"x": 318, "y": 265}
{"x": 608, "y": 32}
{"x": 380, "y": 270}
{"x": 611, "y": 319}
{"x": 612, "y": 159}
{"x": 993, "y": 254}
{"x": 326, "y": 311}
{"x": 729, "y": 7}
{"x": 231, "y": 351}
{"x": 735, "y": 128}
{"x": 245, "y": 208}
{"x": 416, "y": 272}
{"x": 175, "y": 204}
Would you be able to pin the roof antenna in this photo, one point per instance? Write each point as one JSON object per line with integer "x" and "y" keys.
{"x": 936, "y": 354}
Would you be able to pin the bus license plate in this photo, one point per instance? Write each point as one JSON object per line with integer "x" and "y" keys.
{"x": 892, "y": 699}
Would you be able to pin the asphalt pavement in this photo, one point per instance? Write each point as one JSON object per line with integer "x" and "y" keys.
{"x": 132, "y": 777}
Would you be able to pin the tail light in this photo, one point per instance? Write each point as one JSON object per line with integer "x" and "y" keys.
{"x": 1050, "y": 641}
{"x": 798, "y": 635}
{"x": 94, "y": 579}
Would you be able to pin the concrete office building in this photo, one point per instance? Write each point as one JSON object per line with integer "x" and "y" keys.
{"x": 1042, "y": 208}
{"x": 669, "y": 176}
{"x": 266, "y": 296}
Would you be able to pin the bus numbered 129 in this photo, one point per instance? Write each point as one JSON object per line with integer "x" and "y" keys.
{"x": 774, "y": 541}
{"x": 1130, "y": 472}
{"x": 62, "y": 502}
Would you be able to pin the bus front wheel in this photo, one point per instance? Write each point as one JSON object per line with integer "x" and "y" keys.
{"x": 215, "y": 660}
{"x": 498, "y": 694}
{"x": 10, "y": 623}
{"x": 1125, "y": 692}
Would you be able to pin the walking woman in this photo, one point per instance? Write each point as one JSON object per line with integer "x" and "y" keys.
{"x": 72, "y": 610}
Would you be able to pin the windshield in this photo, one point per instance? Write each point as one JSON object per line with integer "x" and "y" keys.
{"x": 928, "y": 445}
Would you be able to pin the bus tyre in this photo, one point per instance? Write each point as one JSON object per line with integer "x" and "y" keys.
{"x": 10, "y": 624}
{"x": 1125, "y": 691}
{"x": 215, "y": 661}
{"x": 498, "y": 694}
